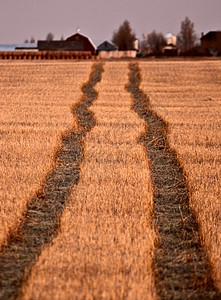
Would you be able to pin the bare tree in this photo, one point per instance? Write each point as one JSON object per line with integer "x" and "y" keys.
{"x": 124, "y": 37}
{"x": 187, "y": 38}
{"x": 32, "y": 40}
{"x": 49, "y": 37}
{"x": 156, "y": 42}
{"x": 26, "y": 41}
{"x": 62, "y": 38}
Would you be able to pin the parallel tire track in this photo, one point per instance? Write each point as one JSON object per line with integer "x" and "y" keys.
{"x": 181, "y": 267}
{"x": 41, "y": 220}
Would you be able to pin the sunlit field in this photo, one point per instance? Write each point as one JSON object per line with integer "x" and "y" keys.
{"x": 105, "y": 246}
{"x": 188, "y": 96}
{"x": 35, "y": 101}
{"x": 103, "y": 242}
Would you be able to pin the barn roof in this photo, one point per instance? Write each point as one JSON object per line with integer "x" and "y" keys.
{"x": 80, "y": 34}
{"x": 212, "y": 35}
{"x": 106, "y": 45}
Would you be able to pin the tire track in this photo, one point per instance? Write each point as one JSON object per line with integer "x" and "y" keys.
{"x": 181, "y": 267}
{"x": 41, "y": 220}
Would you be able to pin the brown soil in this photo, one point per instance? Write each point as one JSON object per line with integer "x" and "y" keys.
{"x": 41, "y": 220}
{"x": 181, "y": 266}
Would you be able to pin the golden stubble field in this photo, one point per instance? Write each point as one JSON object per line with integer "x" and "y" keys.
{"x": 187, "y": 95}
{"x": 35, "y": 99}
{"x": 105, "y": 246}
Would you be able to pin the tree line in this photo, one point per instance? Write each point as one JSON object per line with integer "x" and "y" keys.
{"x": 49, "y": 37}
{"x": 124, "y": 38}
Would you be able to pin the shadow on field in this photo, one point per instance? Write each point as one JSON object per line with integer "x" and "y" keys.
{"x": 41, "y": 220}
{"x": 181, "y": 266}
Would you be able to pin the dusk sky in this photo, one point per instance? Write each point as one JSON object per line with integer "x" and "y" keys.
{"x": 21, "y": 19}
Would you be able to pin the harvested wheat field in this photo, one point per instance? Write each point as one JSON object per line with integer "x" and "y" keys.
{"x": 35, "y": 110}
{"x": 105, "y": 244}
{"x": 187, "y": 96}
{"x": 106, "y": 168}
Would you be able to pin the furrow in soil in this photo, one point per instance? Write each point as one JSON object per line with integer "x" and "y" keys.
{"x": 41, "y": 220}
{"x": 181, "y": 266}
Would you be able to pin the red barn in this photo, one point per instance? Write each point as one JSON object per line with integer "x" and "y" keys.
{"x": 76, "y": 42}
{"x": 84, "y": 43}
{"x": 211, "y": 43}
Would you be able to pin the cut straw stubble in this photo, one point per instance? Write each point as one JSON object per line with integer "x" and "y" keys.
{"x": 105, "y": 246}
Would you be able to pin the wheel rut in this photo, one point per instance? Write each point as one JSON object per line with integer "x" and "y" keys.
{"x": 181, "y": 266}
{"x": 41, "y": 219}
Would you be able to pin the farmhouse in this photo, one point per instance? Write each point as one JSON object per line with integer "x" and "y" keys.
{"x": 109, "y": 50}
{"x": 106, "y": 46}
{"x": 170, "y": 50}
{"x": 76, "y": 42}
{"x": 211, "y": 43}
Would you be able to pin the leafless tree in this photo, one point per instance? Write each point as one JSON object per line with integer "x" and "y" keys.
{"x": 124, "y": 37}
{"x": 49, "y": 37}
{"x": 32, "y": 40}
{"x": 187, "y": 38}
{"x": 156, "y": 42}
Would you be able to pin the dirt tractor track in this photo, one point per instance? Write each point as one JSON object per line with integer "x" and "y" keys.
{"x": 180, "y": 264}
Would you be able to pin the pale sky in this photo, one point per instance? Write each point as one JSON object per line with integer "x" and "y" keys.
{"x": 21, "y": 19}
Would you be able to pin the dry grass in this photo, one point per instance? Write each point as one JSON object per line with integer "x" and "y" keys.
{"x": 187, "y": 95}
{"x": 105, "y": 247}
{"x": 35, "y": 101}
